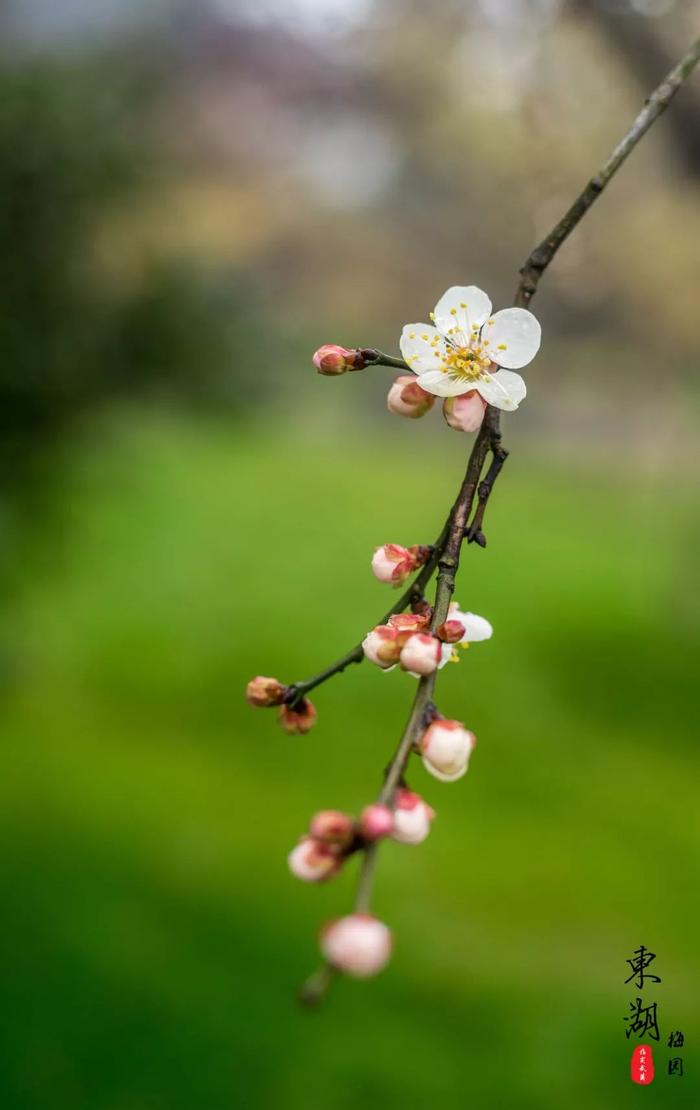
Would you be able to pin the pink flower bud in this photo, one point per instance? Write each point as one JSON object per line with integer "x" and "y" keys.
{"x": 420, "y": 654}
{"x": 332, "y": 827}
{"x": 451, "y": 632}
{"x": 263, "y": 692}
{"x": 466, "y": 412}
{"x": 406, "y": 398}
{"x": 331, "y": 359}
{"x": 382, "y": 646}
{"x": 314, "y": 862}
{"x": 375, "y": 822}
{"x": 406, "y": 624}
{"x": 299, "y": 719}
{"x": 358, "y": 944}
{"x": 445, "y": 747}
{"x": 473, "y": 627}
{"x": 412, "y": 818}
{"x": 392, "y": 563}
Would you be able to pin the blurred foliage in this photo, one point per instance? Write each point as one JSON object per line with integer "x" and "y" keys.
{"x": 151, "y": 937}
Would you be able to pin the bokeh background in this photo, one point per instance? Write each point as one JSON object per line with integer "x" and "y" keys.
{"x": 195, "y": 195}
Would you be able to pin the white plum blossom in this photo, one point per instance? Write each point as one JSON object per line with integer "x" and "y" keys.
{"x": 475, "y": 629}
{"x": 469, "y": 348}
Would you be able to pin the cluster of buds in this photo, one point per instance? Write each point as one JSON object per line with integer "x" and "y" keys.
{"x": 295, "y": 715}
{"x": 464, "y": 413}
{"x": 333, "y": 836}
{"x": 392, "y": 563}
{"x": 392, "y": 643}
{"x": 406, "y": 397}
{"x": 320, "y": 855}
{"x": 407, "y": 641}
{"x": 358, "y": 944}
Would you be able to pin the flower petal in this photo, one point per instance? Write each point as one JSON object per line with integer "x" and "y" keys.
{"x": 464, "y": 307}
{"x": 476, "y": 628}
{"x": 444, "y": 385}
{"x": 422, "y": 347}
{"x": 504, "y": 390}
{"x": 441, "y": 774}
{"x": 445, "y": 655}
{"x": 513, "y": 336}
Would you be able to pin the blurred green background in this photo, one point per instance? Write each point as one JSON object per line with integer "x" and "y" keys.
{"x": 195, "y": 196}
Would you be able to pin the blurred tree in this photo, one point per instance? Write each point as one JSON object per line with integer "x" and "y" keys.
{"x": 76, "y": 144}
{"x": 645, "y": 45}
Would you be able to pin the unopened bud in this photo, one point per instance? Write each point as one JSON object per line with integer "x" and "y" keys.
{"x": 358, "y": 944}
{"x": 451, "y": 632}
{"x": 466, "y": 412}
{"x": 314, "y": 862}
{"x": 406, "y": 398}
{"x": 474, "y": 627}
{"x": 445, "y": 747}
{"x": 299, "y": 719}
{"x": 421, "y": 654}
{"x": 375, "y": 822}
{"x": 332, "y": 827}
{"x": 330, "y": 359}
{"x": 263, "y": 692}
{"x": 393, "y": 563}
{"x": 412, "y": 818}
{"x": 406, "y": 624}
{"x": 382, "y": 646}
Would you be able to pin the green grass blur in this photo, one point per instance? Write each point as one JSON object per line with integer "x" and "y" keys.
{"x": 152, "y": 939}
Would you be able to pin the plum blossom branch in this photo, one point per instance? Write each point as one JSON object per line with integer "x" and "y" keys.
{"x": 468, "y": 358}
{"x": 540, "y": 258}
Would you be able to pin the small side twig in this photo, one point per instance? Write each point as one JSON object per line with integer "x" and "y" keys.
{"x": 474, "y": 531}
